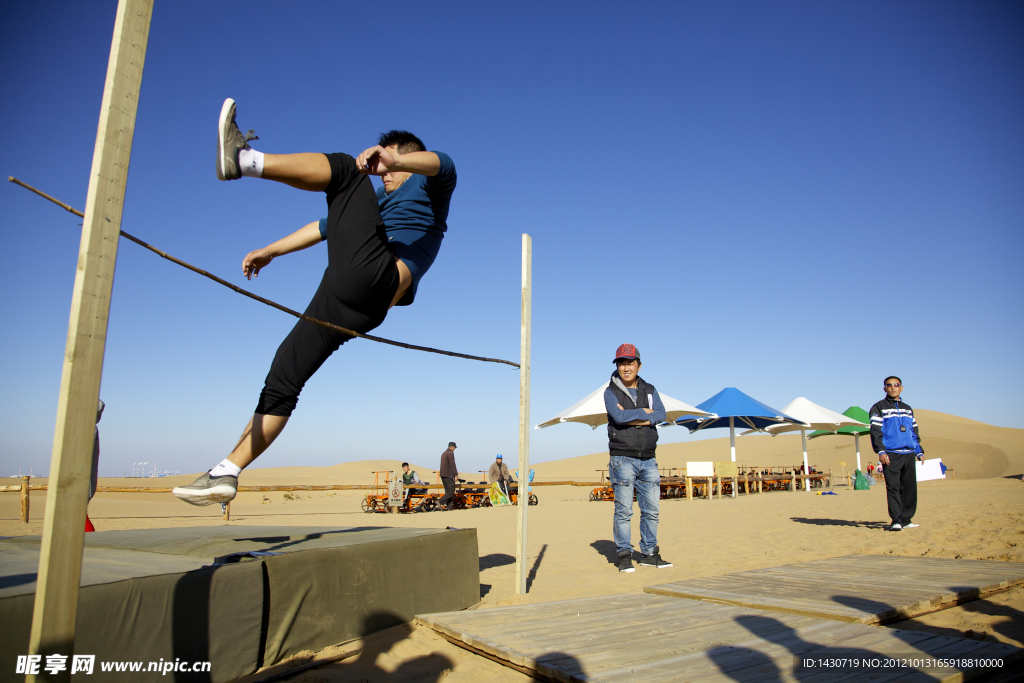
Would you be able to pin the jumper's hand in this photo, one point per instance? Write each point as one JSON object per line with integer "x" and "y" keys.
{"x": 375, "y": 161}
{"x": 619, "y": 406}
{"x": 883, "y": 458}
{"x": 255, "y": 261}
{"x": 648, "y": 411}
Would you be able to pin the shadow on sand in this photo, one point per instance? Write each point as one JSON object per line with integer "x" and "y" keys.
{"x": 839, "y": 522}
{"x": 607, "y": 549}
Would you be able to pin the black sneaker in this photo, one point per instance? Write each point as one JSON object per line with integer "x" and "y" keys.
{"x": 625, "y": 561}
{"x": 654, "y": 560}
{"x": 207, "y": 490}
{"x": 229, "y": 141}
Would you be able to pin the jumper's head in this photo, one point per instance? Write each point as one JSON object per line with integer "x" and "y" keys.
{"x": 398, "y": 142}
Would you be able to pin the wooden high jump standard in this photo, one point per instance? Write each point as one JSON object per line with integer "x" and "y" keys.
{"x": 524, "y": 415}
{"x": 60, "y": 557}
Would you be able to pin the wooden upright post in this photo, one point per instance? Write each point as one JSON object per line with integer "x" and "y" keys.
{"x": 524, "y": 415}
{"x": 60, "y": 556}
{"x": 25, "y": 499}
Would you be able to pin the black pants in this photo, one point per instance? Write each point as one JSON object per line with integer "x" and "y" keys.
{"x": 355, "y": 292}
{"x": 901, "y": 487}
{"x": 449, "y": 490}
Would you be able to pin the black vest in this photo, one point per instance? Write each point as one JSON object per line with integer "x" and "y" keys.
{"x": 634, "y": 441}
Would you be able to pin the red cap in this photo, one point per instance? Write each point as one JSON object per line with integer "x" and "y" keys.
{"x": 626, "y": 351}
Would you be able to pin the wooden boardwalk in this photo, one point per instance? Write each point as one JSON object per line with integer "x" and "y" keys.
{"x": 866, "y": 589}
{"x": 653, "y": 638}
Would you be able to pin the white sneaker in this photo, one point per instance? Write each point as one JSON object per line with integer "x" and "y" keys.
{"x": 207, "y": 490}
{"x": 911, "y": 526}
{"x": 896, "y": 527}
{"x": 229, "y": 142}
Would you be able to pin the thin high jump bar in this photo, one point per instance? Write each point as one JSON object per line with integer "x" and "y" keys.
{"x": 268, "y": 302}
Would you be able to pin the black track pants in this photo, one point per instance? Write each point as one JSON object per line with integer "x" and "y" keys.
{"x": 357, "y": 287}
{"x": 901, "y": 487}
{"x": 449, "y": 491}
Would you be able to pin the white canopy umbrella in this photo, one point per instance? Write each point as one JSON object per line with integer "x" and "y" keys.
{"x": 591, "y": 410}
{"x": 815, "y": 417}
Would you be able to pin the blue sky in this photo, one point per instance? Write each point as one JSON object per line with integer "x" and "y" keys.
{"x": 792, "y": 198}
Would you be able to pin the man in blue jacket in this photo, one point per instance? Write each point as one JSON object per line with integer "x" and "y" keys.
{"x": 634, "y": 408}
{"x": 379, "y": 245}
{"x": 894, "y": 437}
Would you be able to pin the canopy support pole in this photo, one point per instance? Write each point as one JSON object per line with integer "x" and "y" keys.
{"x": 732, "y": 437}
{"x": 524, "y": 415}
{"x": 807, "y": 469}
{"x": 856, "y": 441}
{"x": 60, "y": 551}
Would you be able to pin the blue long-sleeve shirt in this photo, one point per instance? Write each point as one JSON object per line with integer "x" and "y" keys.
{"x": 416, "y": 218}
{"x": 626, "y": 414}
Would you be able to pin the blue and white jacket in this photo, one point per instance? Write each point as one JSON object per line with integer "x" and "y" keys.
{"x": 887, "y": 416}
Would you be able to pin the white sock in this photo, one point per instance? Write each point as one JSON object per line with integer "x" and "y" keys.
{"x": 225, "y": 467}
{"x": 250, "y": 163}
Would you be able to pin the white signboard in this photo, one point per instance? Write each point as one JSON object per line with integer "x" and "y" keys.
{"x": 396, "y": 493}
{"x": 700, "y": 469}
{"x": 930, "y": 469}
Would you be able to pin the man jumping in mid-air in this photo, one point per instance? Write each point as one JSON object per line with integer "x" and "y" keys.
{"x": 378, "y": 248}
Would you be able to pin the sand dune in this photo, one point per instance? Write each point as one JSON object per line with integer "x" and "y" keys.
{"x": 569, "y": 541}
{"x": 569, "y": 537}
{"x": 973, "y": 449}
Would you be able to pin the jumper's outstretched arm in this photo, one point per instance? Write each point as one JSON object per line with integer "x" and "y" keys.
{"x": 377, "y": 161}
{"x": 303, "y": 238}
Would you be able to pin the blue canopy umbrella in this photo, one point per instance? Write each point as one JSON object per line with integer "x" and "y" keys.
{"x": 734, "y": 408}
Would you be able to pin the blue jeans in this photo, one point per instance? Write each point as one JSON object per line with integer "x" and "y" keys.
{"x": 627, "y": 475}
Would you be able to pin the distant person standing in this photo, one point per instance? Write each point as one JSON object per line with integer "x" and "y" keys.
{"x": 95, "y": 473}
{"x": 409, "y": 479}
{"x": 894, "y": 437}
{"x": 634, "y": 408}
{"x": 498, "y": 472}
{"x": 449, "y": 473}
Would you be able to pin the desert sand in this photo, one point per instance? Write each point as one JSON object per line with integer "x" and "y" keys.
{"x": 977, "y": 515}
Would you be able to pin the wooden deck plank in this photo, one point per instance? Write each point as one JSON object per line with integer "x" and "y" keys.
{"x": 873, "y": 588}
{"x": 921, "y": 565}
{"x": 837, "y": 612}
{"x": 864, "y": 580}
{"x": 881, "y": 585}
{"x": 659, "y": 621}
{"x": 796, "y": 588}
{"x": 774, "y": 641}
{"x": 934, "y": 647}
{"x": 779, "y": 613}
{"x": 783, "y": 646}
{"x": 995, "y": 570}
{"x": 794, "y": 591}
{"x": 860, "y": 578}
{"x": 784, "y": 666}
{"x": 863, "y": 583}
{"x": 684, "y": 636}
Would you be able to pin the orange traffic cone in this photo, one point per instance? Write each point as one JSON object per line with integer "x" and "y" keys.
{"x": 88, "y": 524}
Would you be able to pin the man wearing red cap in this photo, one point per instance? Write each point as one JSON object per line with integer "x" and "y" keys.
{"x": 634, "y": 408}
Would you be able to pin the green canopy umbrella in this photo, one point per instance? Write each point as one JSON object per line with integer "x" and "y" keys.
{"x": 857, "y": 413}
